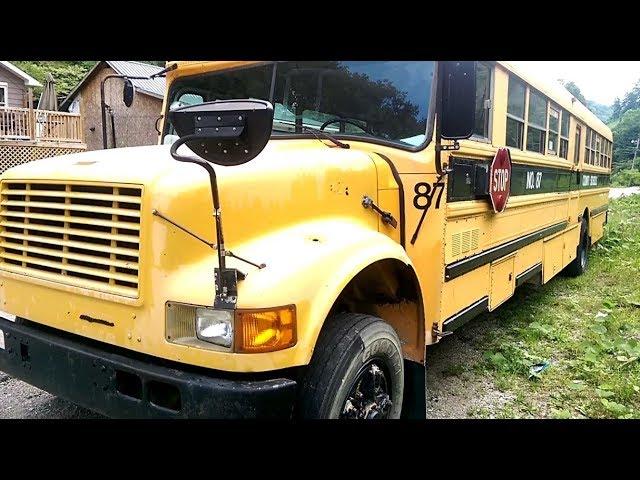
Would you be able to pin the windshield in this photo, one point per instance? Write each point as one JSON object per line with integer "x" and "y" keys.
{"x": 370, "y": 99}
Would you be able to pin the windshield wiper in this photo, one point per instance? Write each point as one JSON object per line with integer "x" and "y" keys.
{"x": 322, "y": 133}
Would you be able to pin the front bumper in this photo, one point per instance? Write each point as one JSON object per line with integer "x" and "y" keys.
{"x": 118, "y": 384}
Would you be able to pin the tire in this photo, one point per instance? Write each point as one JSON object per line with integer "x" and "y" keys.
{"x": 356, "y": 371}
{"x": 579, "y": 264}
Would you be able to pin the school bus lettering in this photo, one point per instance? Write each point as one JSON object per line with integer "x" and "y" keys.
{"x": 424, "y": 193}
{"x": 253, "y": 263}
{"x": 534, "y": 180}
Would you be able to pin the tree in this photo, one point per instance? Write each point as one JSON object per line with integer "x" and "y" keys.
{"x": 631, "y": 100}
{"x": 574, "y": 90}
{"x": 625, "y": 133}
{"x": 615, "y": 109}
{"x": 66, "y": 74}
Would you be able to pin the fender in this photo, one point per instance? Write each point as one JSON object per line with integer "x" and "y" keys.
{"x": 310, "y": 265}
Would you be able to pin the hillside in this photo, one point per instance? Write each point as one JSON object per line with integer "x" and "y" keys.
{"x": 603, "y": 112}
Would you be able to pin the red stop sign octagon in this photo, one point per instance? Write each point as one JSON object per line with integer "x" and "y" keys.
{"x": 500, "y": 179}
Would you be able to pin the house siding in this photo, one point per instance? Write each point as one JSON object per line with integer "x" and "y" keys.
{"x": 17, "y": 89}
{"x": 134, "y": 125}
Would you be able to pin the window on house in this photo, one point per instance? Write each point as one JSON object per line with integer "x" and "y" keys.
{"x": 483, "y": 100}
{"x": 554, "y": 126}
{"x": 576, "y": 151}
{"x": 564, "y": 134}
{"x": 515, "y": 113}
{"x": 537, "y": 126}
{"x": 4, "y": 94}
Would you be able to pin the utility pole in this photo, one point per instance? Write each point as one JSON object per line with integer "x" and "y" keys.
{"x": 635, "y": 152}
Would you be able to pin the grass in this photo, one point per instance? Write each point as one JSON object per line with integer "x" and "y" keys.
{"x": 587, "y": 329}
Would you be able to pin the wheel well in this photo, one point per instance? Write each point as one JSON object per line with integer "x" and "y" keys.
{"x": 389, "y": 289}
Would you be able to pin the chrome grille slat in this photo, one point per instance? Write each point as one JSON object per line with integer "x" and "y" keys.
{"x": 72, "y": 207}
{"x": 80, "y": 195}
{"x": 62, "y": 218}
{"x": 73, "y": 233}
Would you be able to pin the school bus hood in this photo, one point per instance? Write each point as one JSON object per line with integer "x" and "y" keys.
{"x": 291, "y": 181}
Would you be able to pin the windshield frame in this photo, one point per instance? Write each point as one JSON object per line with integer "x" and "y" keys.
{"x": 171, "y": 91}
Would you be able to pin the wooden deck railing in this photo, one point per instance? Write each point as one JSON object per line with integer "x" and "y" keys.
{"x": 40, "y": 125}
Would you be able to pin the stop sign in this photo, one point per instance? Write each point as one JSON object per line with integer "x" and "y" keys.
{"x": 500, "y": 179}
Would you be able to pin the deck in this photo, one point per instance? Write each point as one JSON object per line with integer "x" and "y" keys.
{"x": 30, "y": 134}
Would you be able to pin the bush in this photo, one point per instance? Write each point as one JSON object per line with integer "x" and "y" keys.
{"x": 626, "y": 178}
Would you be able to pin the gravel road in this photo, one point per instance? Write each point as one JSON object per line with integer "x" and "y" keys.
{"x": 623, "y": 192}
{"x": 448, "y": 396}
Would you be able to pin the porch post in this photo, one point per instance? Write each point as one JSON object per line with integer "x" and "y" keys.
{"x": 32, "y": 118}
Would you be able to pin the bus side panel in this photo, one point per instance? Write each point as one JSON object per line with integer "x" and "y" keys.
{"x": 597, "y": 227}
{"x": 527, "y": 257}
{"x": 502, "y": 281}
{"x": 559, "y": 251}
{"x": 459, "y": 293}
{"x": 571, "y": 240}
{"x": 553, "y": 257}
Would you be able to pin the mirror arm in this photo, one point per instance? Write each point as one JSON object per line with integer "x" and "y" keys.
{"x": 214, "y": 190}
{"x": 438, "y": 145}
{"x": 164, "y": 71}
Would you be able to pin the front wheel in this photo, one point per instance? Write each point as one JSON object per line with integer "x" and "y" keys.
{"x": 356, "y": 372}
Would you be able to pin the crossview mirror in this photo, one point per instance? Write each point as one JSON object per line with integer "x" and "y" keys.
{"x": 225, "y": 132}
{"x": 128, "y": 92}
{"x": 458, "y": 100}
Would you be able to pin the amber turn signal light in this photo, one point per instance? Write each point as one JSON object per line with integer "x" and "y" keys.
{"x": 265, "y": 330}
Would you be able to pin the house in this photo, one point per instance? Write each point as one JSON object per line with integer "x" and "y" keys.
{"x": 16, "y": 87}
{"x": 135, "y": 125}
{"x": 30, "y": 134}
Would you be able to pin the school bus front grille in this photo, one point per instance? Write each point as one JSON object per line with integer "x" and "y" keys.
{"x": 85, "y": 235}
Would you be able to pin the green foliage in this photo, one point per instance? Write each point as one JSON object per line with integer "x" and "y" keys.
{"x": 603, "y": 112}
{"x": 626, "y": 178}
{"x": 630, "y": 101}
{"x": 626, "y": 130}
{"x": 587, "y": 327}
{"x": 67, "y": 74}
{"x": 575, "y": 91}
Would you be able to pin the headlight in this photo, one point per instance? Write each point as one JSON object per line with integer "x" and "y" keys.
{"x": 257, "y": 330}
{"x": 214, "y": 326}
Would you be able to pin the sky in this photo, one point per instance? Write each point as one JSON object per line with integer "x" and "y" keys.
{"x": 601, "y": 82}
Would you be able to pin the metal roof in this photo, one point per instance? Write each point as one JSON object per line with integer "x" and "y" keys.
{"x": 29, "y": 81}
{"x": 154, "y": 88}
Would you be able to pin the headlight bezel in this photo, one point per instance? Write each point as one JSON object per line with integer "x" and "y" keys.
{"x": 181, "y": 327}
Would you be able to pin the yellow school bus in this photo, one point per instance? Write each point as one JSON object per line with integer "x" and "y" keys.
{"x": 250, "y": 266}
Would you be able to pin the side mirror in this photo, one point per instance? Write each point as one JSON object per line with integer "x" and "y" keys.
{"x": 458, "y": 100}
{"x": 225, "y": 132}
{"x": 128, "y": 92}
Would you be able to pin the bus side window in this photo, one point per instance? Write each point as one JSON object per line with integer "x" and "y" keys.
{"x": 576, "y": 152}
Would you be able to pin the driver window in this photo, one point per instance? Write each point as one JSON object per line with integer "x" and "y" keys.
{"x": 187, "y": 98}
{"x": 483, "y": 100}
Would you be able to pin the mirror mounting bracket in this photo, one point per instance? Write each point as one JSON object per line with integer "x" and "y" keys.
{"x": 454, "y": 146}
